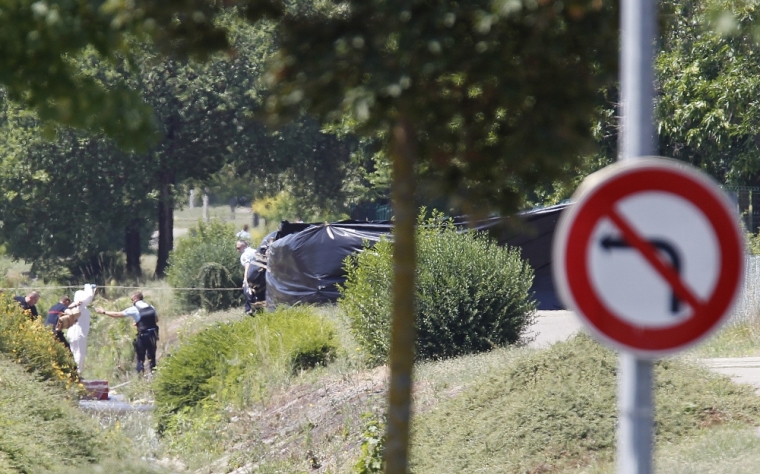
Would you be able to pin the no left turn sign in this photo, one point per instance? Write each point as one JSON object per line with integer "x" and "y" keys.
{"x": 650, "y": 256}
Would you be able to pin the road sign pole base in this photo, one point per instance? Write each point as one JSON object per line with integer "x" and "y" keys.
{"x": 635, "y": 415}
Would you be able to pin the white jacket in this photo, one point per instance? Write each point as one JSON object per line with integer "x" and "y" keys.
{"x": 82, "y": 327}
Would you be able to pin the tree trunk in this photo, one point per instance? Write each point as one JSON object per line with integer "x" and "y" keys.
{"x": 403, "y": 327}
{"x": 132, "y": 247}
{"x": 165, "y": 222}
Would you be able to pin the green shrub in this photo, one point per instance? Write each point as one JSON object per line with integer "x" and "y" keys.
{"x": 207, "y": 259}
{"x": 33, "y": 346}
{"x": 472, "y": 295}
{"x": 236, "y": 362}
{"x": 373, "y": 445}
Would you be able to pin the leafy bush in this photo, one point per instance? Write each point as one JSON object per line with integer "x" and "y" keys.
{"x": 373, "y": 445}
{"x": 235, "y": 362}
{"x": 206, "y": 260}
{"x": 33, "y": 346}
{"x": 472, "y": 295}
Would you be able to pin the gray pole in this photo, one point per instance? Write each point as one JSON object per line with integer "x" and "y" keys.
{"x": 635, "y": 412}
{"x": 635, "y": 415}
{"x": 638, "y": 36}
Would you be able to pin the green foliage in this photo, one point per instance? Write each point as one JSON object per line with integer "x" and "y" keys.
{"x": 472, "y": 295}
{"x": 64, "y": 204}
{"x": 207, "y": 259}
{"x": 44, "y": 431}
{"x": 366, "y": 299}
{"x": 753, "y": 243}
{"x": 373, "y": 446}
{"x": 232, "y": 363}
{"x": 205, "y": 132}
{"x": 473, "y": 80}
{"x": 557, "y": 408}
{"x": 33, "y": 346}
{"x": 708, "y": 74}
{"x": 39, "y": 39}
{"x": 285, "y": 206}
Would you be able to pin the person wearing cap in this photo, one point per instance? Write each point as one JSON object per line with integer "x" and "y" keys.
{"x": 77, "y": 333}
{"x": 28, "y": 303}
{"x": 53, "y": 314}
{"x": 146, "y": 322}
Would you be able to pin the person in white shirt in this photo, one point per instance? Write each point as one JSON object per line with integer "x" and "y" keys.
{"x": 250, "y": 265}
{"x": 77, "y": 334}
{"x": 146, "y": 322}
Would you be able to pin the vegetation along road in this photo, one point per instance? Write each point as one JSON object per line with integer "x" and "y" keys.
{"x": 554, "y": 326}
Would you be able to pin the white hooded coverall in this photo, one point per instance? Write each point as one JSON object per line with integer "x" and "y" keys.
{"x": 77, "y": 334}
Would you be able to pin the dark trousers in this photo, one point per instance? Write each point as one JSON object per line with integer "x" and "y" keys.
{"x": 257, "y": 282}
{"x": 145, "y": 345}
{"x": 59, "y": 335}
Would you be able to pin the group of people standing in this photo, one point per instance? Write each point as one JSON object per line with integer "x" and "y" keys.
{"x": 75, "y": 337}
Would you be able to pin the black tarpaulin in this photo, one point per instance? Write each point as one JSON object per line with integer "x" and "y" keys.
{"x": 535, "y": 241}
{"x": 306, "y": 265}
{"x": 305, "y": 262}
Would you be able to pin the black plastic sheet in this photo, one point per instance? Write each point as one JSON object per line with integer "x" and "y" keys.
{"x": 534, "y": 238}
{"x": 305, "y": 261}
{"x": 306, "y": 266}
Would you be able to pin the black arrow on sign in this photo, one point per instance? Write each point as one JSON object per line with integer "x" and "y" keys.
{"x": 608, "y": 243}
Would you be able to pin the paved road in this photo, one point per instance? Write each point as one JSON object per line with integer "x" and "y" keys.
{"x": 740, "y": 369}
{"x": 555, "y": 326}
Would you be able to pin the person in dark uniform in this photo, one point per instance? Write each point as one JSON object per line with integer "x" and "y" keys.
{"x": 28, "y": 303}
{"x": 52, "y": 318}
{"x": 146, "y": 322}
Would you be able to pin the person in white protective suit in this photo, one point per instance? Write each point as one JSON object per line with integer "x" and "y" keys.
{"x": 77, "y": 334}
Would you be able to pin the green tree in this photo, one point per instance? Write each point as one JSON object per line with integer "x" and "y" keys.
{"x": 66, "y": 203}
{"x": 203, "y": 114}
{"x": 39, "y": 38}
{"x": 308, "y": 162}
{"x": 709, "y": 75}
{"x": 467, "y": 93}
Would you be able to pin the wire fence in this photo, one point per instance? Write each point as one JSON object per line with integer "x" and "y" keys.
{"x": 747, "y": 202}
{"x": 747, "y": 307}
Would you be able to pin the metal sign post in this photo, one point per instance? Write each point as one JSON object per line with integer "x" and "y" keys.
{"x": 650, "y": 255}
{"x": 635, "y": 410}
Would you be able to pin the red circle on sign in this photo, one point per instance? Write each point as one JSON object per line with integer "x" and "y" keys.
{"x": 597, "y": 200}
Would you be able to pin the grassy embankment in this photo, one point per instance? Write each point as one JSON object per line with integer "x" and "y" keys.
{"x": 510, "y": 410}
{"x": 503, "y": 411}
